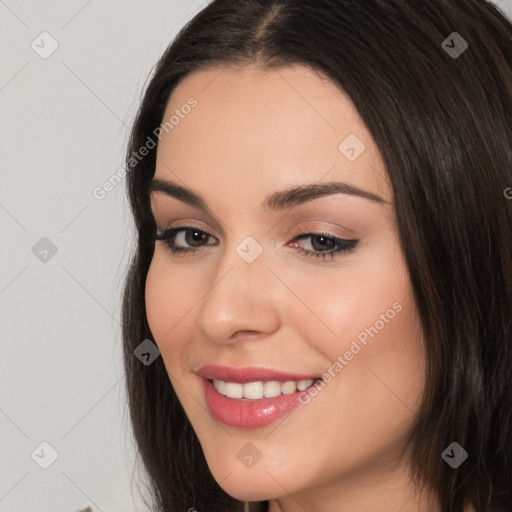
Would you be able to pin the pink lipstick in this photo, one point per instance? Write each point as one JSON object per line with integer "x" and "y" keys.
{"x": 244, "y": 412}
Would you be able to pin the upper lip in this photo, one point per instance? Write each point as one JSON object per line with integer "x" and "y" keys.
{"x": 248, "y": 374}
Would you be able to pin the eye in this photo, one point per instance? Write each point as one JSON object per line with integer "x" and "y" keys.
{"x": 324, "y": 245}
{"x": 188, "y": 240}
{"x": 184, "y": 235}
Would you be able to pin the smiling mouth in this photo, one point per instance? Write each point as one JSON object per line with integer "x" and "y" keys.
{"x": 255, "y": 410}
{"x": 260, "y": 389}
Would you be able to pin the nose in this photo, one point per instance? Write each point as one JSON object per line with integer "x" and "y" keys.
{"x": 241, "y": 301}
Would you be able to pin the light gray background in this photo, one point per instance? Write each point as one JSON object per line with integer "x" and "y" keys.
{"x": 64, "y": 126}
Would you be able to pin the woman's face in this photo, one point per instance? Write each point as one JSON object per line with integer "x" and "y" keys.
{"x": 264, "y": 290}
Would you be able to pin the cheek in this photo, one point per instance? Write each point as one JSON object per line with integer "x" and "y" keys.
{"x": 368, "y": 296}
{"x": 170, "y": 297}
{"x": 365, "y": 314}
{"x": 158, "y": 300}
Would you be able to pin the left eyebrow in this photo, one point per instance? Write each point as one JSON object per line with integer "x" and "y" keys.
{"x": 280, "y": 200}
{"x": 297, "y": 195}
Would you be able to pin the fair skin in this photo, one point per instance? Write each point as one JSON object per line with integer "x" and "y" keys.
{"x": 251, "y": 134}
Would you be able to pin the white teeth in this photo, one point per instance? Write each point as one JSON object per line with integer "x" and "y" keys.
{"x": 234, "y": 390}
{"x": 253, "y": 390}
{"x": 271, "y": 389}
{"x": 304, "y": 384}
{"x": 220, "y": 386}
{"x": 258, "y": 390}
{"x": 289, "y": 387}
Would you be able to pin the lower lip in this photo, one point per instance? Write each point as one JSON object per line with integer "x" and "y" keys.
{"x": 248, "y": 413}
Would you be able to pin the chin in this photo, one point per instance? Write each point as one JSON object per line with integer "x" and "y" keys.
{"x": 248, "y": 484}
{"x": 248, "y": 490}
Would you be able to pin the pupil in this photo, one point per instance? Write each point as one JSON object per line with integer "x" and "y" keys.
{"x": 327, "y": 243}
{"x": 197, "y": 236}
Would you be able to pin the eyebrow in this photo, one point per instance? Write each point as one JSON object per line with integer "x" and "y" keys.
{"x": 280, "y": 200}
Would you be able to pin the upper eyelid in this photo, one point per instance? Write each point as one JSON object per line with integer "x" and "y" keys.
{"x": 191, "y": 224}
{"x": 212, "y": 219}
{"x": 303, "y": 233}
{"x": 177, "y": 229}
{"x": 220, "y": 226}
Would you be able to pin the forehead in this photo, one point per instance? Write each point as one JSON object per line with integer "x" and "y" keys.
{"x": 270, "y": 128}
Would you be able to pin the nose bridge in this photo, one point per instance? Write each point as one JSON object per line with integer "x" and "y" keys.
{"x": 240, "y": 294}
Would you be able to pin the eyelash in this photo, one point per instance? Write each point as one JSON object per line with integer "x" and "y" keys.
{"x": 341, "y": 245}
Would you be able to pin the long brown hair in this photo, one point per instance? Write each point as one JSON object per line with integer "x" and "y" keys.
{"x": 443, "y": 124}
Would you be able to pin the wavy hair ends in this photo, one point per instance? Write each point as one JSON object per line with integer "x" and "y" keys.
{"x": 443, "y": 126}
